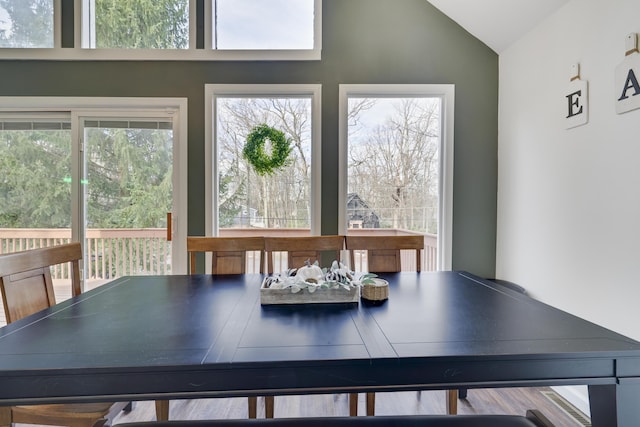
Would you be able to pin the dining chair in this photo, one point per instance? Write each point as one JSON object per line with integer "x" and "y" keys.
{"x": 26, "y": 288}
{"x": 229, "y": 256}
{"x": 383, "y": 254}
{"x": 301, "y": 249}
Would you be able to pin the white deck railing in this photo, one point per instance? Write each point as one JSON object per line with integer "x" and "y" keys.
{"x": 121, "y": 252}
{"x": 111, "y": 252}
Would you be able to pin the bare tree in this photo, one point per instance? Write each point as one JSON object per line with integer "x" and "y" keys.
{"x": 282, "y": 199}
{"x": 395, "y": 167}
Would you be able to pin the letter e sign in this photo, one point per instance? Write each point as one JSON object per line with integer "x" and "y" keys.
{"x": 576, "y": 103}
{"x": 627, "y": 90}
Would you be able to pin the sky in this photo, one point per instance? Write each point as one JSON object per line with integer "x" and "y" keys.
{"x": 274, "y": 24}
{"x": 5, "y": 23}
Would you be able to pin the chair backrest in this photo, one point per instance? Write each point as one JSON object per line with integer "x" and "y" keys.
{"x": 229, "y": 254}
{"x": 299, "y": 249}
{"x": 25, "y": 278}
{"x": 383, "y": 252}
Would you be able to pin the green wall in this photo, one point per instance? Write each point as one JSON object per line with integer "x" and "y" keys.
{"x": 364, "y": 41}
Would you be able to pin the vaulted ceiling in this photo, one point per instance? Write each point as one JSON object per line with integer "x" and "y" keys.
{"x": 498, "y": 23}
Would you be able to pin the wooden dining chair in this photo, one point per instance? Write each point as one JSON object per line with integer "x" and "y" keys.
{"x": 229, "y": 256}
{"x": 26, "y": 287}
{"x": 384, "y": 256}
{"x": 383, "y": 252}
{"x": 301, "y": 249}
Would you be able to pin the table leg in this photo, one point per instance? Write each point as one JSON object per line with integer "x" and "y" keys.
{"x": 5, "y": 416}
{"x": 269, "y": 404}
{"x": 252, "y": 407}
{"x": 353, "y": 404}
{"x": 452, "y": 402}
{"x": 615, "y": 405}
{"x": 371, "y": 404}
{"x": 162, "y": 410}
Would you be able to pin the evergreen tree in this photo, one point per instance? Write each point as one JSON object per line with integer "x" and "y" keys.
{"x": 142, "y": 24}
{"x": 35, "y": 188}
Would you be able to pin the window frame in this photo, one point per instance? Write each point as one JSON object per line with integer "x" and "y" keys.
{"x": 81, "y": 50}
{"x": 214, "y": 91}
{"x": 446, "y": 92}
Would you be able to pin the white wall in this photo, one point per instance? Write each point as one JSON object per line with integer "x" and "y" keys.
{"x": 569, "y": 200}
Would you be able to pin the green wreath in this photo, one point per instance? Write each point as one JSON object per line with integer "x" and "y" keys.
{"x": 262, "y": 162}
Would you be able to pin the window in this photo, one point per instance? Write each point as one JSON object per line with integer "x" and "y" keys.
{"x": 136, "y": 24}
{"x": 264, "y": 25}
{"x": 161, "y": 30}
{"x": 242, "y": 196}
{"x": 26, "y": 23}
{"x": 396, "y": 162}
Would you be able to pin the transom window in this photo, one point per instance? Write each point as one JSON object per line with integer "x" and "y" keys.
{"x": 136, "y": 24}
{"x": 161, "y": 29}
{"x": 26, "y": 23}
{"x": 263, "y": 25}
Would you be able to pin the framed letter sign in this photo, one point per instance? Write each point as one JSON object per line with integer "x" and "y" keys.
{"x": 627, "y": 75}
{"x": 576, "y": 103}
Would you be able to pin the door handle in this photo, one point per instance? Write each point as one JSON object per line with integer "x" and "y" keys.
{"x": 169, "y": 224}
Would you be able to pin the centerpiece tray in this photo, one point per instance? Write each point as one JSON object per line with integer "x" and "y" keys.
{"x": 311, "y": 285}
{"x": 270, "y": 296}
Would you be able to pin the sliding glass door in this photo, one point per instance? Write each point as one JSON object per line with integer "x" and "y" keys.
{"x": 126, "y": 178}
{"x": 102, "y": 171}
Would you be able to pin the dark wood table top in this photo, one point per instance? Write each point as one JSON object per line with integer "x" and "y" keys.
{"x": 185, "y": 336}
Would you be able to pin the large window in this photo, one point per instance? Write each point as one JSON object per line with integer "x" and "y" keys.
{"x": 396, "y": 146}
{"x": 245, "y": 196}
{"x": 161, "y": 29}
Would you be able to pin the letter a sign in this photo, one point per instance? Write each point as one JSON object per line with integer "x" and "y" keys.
{"x": 628, "y": 84}
{"x": 576, "y": 104}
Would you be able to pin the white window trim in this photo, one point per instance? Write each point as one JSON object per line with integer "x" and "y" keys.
{"x": 445, "y": 92}
{"x": 79, "y": 107}
{"x": 213, "y": 91}
{"x": 191, "y": 54}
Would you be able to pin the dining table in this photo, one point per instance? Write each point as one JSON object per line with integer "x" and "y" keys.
{"x": 191, "y": 336}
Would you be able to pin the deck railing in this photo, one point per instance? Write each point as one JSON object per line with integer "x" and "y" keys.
{"x": 120, "y": 252}
{"x": 111, "y": 252}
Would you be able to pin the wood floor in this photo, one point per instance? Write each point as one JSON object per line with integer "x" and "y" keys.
{"x": 487, "y": 401}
